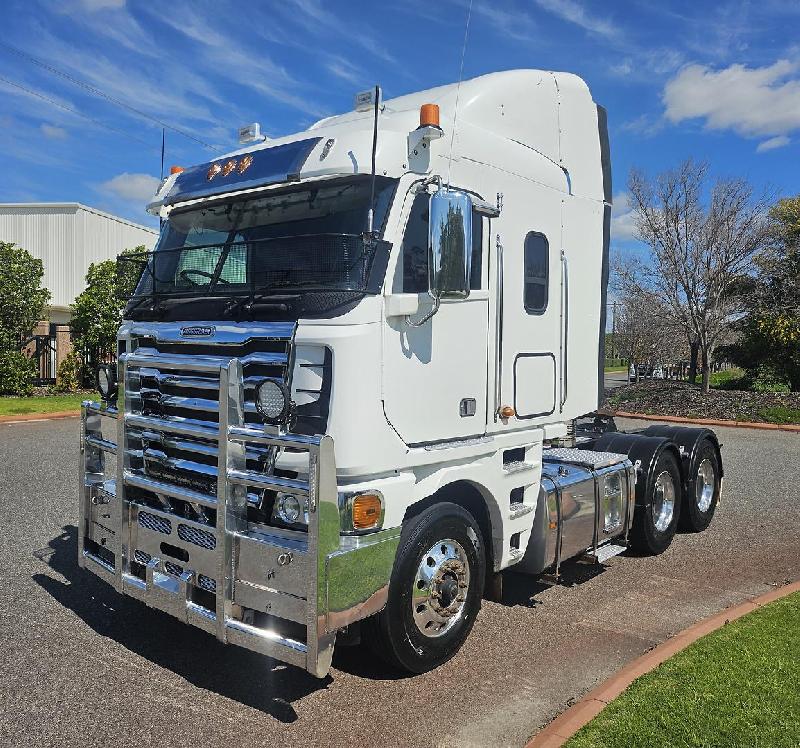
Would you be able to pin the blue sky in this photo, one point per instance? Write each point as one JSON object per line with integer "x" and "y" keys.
{"x": 712, "y": 80}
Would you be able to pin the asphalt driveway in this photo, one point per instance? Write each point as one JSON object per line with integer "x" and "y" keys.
{"x": 83, "y": 666}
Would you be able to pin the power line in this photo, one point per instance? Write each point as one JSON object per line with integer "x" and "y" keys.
{"x": 98, "y": 92}
{"x": 74, "y": 111}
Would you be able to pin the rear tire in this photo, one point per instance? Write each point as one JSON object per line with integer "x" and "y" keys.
{"x": 656, "y": 520}
{"x": 435, "y": 591}
{"x": 702, "y": 489}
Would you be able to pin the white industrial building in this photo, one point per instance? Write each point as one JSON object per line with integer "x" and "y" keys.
{"x": 68, "y": 237}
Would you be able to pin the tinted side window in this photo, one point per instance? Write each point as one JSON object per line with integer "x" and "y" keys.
{"x": 415, "y": 248}
{"x": 477, "y": 251}
{"x": 536, "y": 272}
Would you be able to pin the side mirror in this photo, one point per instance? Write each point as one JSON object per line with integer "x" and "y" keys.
{"x": 449, "y": 244}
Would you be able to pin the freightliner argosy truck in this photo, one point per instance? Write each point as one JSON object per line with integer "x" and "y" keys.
{"x": 353, "y": 377}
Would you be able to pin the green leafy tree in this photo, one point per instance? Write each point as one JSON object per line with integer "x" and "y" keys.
{"x": 769, "y": 345}
{"x": 22, "y": 305}
{"x": 97, "y": 310}
{"x": 22, "y": 298}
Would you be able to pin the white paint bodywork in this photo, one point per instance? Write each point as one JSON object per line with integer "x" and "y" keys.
{"x": 394, "y": 409}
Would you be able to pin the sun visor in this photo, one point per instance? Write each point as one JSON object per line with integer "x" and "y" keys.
{"x": 253, "y": 169}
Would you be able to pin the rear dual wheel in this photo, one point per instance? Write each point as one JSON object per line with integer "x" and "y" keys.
{"x": 655, "y": 521}
{"x": 702, "y": 488}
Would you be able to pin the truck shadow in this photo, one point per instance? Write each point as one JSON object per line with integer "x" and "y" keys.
{"x": 522, "y": 589}
{"x": 232, "y": 672}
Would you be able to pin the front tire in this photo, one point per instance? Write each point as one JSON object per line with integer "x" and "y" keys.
{"x": 434, "y": 593}
{"x": 656, "y": 520}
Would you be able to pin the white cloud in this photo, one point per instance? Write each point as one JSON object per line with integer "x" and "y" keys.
{"x": 753, "y": 102}
{"x": 574, "y": 12}
{"x": 138, "y": 188}
{"x": 623, "y": 219}
{"x": 344, "y": 69}
{"x": 777, "y": 142}
{"x": 53, "y": 132}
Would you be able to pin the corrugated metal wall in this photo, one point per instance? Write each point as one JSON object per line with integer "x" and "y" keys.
{"x": 67, "y": 239}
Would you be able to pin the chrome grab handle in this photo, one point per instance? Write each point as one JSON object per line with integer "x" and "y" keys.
{"x": 564, "y": 327}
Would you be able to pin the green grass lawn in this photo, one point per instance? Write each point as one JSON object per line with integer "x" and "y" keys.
{"x": 728, "y": 379}
{"x": 615, "y": 368}
{"x": 739, "y": 686}
{"x": 14, "y": 406}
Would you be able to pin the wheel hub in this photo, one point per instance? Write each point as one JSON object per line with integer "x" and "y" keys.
{"x": 439, "y": 592}
{"x": 663, "y": 501}
{"x": 704, "y": 485}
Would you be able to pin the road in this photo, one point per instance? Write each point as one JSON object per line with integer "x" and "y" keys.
{"x": 614, "y": 379}
{"x": 82, "y": 666}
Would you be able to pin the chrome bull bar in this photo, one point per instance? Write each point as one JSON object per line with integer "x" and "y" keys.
{"x": 261, "y": 578}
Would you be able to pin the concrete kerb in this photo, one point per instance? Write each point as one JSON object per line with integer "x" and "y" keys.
{"x": 563, "y": 727}
{"x": 21, "y": 418}
{"x": 709, "y": 421}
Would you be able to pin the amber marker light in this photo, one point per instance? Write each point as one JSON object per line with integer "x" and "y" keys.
{"x": 175, "y": 169}
{"x": 507, "y": 412}
{"x": 429, "y": 115}
{"x": 228, "y": 167}
{"x": 366, "y": 511}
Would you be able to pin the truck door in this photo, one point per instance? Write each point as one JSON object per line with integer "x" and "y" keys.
{"x": 531, "y": 320}
{"x": 434, "y": 375}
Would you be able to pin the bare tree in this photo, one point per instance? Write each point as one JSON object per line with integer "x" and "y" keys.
{"x": 646, "y": 328}
{"x": 702, "y": 242}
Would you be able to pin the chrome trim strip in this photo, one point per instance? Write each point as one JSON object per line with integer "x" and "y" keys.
{"x": 199, "y": 363}
{"x": 168, "y": 489}
{"x": 224, "y": 333}
{"x": 268, "y": 482}
{"x": 498, "y": 358}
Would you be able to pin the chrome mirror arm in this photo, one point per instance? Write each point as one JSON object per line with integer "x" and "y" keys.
{"x": 435, "y": 308}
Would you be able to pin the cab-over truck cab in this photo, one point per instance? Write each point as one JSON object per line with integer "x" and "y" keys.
{"x": 349, "y": 375}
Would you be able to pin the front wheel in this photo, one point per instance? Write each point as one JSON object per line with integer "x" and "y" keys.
{"x": 434, "y": 593}
{"x": 656, "y": 519}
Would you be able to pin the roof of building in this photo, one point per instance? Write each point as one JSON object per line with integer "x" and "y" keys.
{"x": 78, "y": 206}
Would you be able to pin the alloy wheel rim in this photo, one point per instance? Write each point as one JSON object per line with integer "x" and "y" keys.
{"x": 439, "y": 590}
{"x": 663, "y": 501}
{"x": 704, "y": 485}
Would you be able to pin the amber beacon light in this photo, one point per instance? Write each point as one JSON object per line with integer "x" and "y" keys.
{"x": 175, "y": 169}
{"x": 429, "y": 115}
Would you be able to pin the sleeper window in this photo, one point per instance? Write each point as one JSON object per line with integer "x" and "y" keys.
{"x": 536, "y": 272}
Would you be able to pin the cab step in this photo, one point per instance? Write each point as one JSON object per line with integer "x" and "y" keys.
{"x": 604, "y": 552}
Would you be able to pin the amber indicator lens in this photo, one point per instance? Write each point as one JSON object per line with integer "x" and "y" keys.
{"x": 366, "y": 511}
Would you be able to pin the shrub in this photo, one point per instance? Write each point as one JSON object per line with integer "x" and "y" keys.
{"x": 70, "y": 373}
{"x": 16, "y": 373}
{"x": 766, "y": 379}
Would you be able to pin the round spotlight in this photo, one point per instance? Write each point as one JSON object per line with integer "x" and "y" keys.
{"x": 273, "y": 401}
{"x": 290, "y": 510}
{"x": 107, "y": 381}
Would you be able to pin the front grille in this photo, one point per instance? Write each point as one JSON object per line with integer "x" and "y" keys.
{"x": 194, "y": 535}
{"x": 206, "y": 583}
{"x": 173, "y": 569}
{"x": 157, "y": 524}
{"x": 156, "y": 387}
{"x": 140, "y": 557}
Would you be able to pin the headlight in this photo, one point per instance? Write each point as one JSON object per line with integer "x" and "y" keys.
{"x": 273, "y": 401}
{"x": 290, "y": 509}
{"x": 107, "y": 381}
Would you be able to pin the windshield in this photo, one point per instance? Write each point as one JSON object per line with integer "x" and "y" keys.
{"x": 309, "y": 237}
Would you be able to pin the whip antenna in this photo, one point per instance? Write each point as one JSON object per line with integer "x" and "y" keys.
{"x": 458, "y": 91}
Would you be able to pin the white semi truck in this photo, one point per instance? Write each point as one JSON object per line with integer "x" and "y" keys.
{"x": 353, "y": 375}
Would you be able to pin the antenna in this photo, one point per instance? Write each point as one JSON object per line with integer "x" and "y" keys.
{"x": 371, "y": 213}
{"x": 458, "y": 91}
